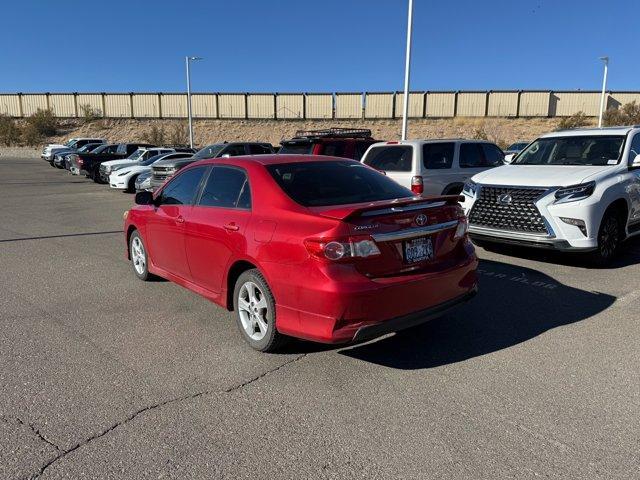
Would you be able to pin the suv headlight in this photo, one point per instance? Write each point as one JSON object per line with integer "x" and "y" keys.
{"x": 470, "y": 188}
{"x": 575, "y": 192}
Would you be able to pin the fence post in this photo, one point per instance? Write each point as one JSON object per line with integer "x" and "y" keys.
{"x": 159, "y": 105}
{"x": 20, "y": 107}
{"x": 393, "y": 105}
{"x": 304, "y": 106}
{"x": 275, "y": 106}
{"x": 486, "y": 103}
{"x": 104, "y": 105}
{"x": 48, "y": 100}
{"x": 131, "y": 104}
{"x": 455, "y": 103}
{"x": 424, "y": 104}
{"x": 246, "y": 105}
{"x": 217, "y": 105}
{"x": 75, "y": 104}
{"x": 363, "y": 100}
{"x": 518, "y": 104}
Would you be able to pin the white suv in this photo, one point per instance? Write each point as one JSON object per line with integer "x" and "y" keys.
{"x": 433, "y": 167}
{"x": 575, "y": 190}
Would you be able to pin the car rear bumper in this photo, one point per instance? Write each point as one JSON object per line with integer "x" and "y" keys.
{"x": 344, "y": 306}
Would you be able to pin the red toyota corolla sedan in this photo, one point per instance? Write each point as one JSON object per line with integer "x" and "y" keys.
{"x": 320, "y": 248}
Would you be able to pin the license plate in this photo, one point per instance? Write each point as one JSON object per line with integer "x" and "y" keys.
{"x": 417, "y": 250}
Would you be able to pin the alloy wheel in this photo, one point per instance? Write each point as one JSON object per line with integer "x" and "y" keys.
{"x": 137, "y": 256}
{"x": 253, "y": 310}
{"x": 609, "y": 237}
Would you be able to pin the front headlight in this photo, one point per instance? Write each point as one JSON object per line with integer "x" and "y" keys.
{"x": 575, "y": 192}
{"x": 470, "y": 188}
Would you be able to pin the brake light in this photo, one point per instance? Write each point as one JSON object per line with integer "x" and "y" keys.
{"x": 417, "y": 184}
{"x": 80, "y": 162}
{"x": 392, "y": 143}
{"x": 335, "y": 249}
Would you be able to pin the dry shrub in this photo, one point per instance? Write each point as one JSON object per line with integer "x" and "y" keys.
{"x": 629, "y": 114}
{"x": 576, "y": 120}
{"x": 10, "y": 131}
{"x": 89, "y": 114}
{"x": 155, "y": 136}
{"x": 179, "y": 134}
{"x": 39, "y": 126}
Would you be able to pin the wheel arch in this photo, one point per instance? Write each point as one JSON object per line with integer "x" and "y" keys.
{"x": 130, "y": 230}
{"x": 233, "y": 273}
{"x": 622, "y": 207}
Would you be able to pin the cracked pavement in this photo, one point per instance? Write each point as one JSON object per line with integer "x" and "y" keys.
{"x": 104, "y": 376}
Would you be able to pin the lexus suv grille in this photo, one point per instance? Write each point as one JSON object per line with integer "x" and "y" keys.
{"x": 507, "y": 208}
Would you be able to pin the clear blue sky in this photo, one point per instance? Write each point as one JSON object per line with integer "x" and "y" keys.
{"x": 317, "y": 45}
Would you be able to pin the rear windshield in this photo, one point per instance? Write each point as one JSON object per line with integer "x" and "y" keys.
{"x": 210, "y": 151}
{"x": 397, "y": 158}
{"x": 316, "y": 184}
{"x": 297, "y": 148}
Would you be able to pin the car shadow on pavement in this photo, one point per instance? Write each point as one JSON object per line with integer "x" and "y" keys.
{"x": 629, "y": 255}
{"x": 514, "y": 304}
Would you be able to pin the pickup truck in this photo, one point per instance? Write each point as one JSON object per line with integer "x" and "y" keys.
{"x": 89, "y": 163}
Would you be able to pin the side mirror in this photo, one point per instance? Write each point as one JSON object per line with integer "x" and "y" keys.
{"x": 144, "y": 198}
{"x": 509, "y": 157}
{"x": 226, "y": 155}
{"x": 635, "y": 163}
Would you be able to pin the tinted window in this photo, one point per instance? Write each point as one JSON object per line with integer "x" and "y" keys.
{"x": 297, "y": 148}
{"x": 493, "y": 156}
{"x": 334, "y": 183}
{"x": 437, "y": 155}
{"x": 259, "y": 149}
{"x": 359, "y": 150}
{"x": 470, "y": 155}
{"x": 234, "y": 150}
{"x": 210, "y": 151}
{"x": 635, "y": 147}
{"x": 390, "y": 159}
{"x": 182, "y": 188}
{"x": 225, "y": 187}
{"x": 334, "y": 149}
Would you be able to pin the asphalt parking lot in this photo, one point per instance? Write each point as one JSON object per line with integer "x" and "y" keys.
{"x": 104, "y": 376}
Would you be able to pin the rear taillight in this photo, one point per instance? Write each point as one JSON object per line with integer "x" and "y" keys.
{"x": 461, "y": 229}
{"x": 417, "y": 184}
{"x": 342, "y": 248}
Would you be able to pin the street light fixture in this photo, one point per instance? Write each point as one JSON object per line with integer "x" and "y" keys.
{"x": 407, "y": 66}
{"x": 188, "y": 61}
{"x": 604, "y": 88}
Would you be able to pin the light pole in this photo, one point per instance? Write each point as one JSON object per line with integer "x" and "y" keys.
{"x": 604, "y": 88}
{"x": 188, "y": 62}
{"x": 407, "y": 68}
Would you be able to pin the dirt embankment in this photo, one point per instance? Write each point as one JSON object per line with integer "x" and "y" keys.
{"x": 500, "y": 130}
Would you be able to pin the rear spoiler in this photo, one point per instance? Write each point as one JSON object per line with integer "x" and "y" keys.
{"x": 385, "y": 207}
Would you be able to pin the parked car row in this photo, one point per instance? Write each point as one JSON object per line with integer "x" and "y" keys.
{"x": 330, "y": 249}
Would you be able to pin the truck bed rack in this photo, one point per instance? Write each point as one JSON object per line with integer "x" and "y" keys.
{"x": 334, "y": 132}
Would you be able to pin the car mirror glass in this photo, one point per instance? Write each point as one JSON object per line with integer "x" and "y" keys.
{"x": 636, "y": 161}
{"x": 144, "y": 198}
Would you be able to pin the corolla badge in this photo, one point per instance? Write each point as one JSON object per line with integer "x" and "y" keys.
{"x": 421, "y": 220}
{"x": 505, "y": 199}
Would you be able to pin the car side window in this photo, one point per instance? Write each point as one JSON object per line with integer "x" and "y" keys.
{"x": 634, "y": 149}
{"x": 226, "y": 187}
{"x": 390, "y": 159}
{"x": 233, "y": 150}
{"x": 182, "y": 188}
{"x": 437, "y": 155}
{"x": 471, "y": 155}
{"x": 333, "y": 149}
{"x": 360, "y": 149}
{"x": 493, "y": 156}
{"x": 258, "y": 149}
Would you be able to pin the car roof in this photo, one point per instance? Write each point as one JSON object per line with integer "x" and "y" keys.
{"x": 430, "y": 140}
{"x": 575, "y": 132}
{"x": 274, "y": 159}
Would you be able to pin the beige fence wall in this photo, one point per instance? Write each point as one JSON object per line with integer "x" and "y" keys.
{"x": 348, "y": 105}
{"x": 316, "y": 105}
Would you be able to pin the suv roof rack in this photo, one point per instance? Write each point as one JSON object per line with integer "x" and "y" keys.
{"x": 334, "y": 132}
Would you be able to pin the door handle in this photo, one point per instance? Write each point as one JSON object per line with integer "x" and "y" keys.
{"x": 179, "y": 219}
{"x": 231, "y": 227}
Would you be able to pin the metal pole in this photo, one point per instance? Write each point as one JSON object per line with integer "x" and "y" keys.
{"x": 407, "y": 67}
{"x": 187, "y": 59}
{"x": 604, "y": 88}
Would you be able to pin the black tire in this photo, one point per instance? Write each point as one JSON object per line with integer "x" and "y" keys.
{"x": 610, "y": 236}
{"x": 143, "y": 272}
{"x": 131, "y": 186}
{"x": 453, "y": 190}
{"x": 95, "y": 176}
{"x": 272, "y": 339}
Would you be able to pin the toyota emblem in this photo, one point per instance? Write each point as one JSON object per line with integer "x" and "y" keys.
{"x": 421, "y": 220}
{"x": 505, "y": 199}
